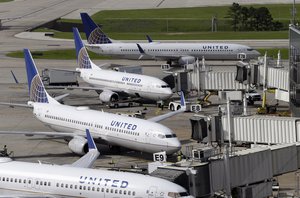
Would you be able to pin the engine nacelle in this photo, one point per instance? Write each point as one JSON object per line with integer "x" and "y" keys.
{"x": 79, "y": 145}
{"x": 108, "y": 96}
{"x": 186, "y": 60}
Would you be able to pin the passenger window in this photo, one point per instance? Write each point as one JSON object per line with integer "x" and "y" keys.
{"x": 71, "y": 186}
{"x": 57, "y": 184}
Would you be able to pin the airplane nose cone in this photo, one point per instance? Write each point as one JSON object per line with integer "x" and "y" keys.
{"x": 173, "y": 146}
{"x": 168, "y": 93}
{"x": 255, "y": 54}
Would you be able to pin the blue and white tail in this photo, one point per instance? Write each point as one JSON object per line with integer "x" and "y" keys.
{"x": 83, "y": 59}
{"x": 37, "y": 92}
{"x": 93, "y": 32}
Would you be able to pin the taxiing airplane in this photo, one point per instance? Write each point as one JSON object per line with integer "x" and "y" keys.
{"x": 25, "y": 179}
{"x": 115, "y": 130}
{"x": 113, "y": 83}
{"x": 178, "y": 53}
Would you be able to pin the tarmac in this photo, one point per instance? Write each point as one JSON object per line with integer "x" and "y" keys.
{"x": 22, "y": 15}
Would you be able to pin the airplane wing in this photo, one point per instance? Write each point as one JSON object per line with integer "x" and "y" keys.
{"x": 172, "y": 113}
{"x": 88, "y": 159}
{"x": 143, "y": 53}
{"x": 18, "y": 194}
{"x": 85, "y": 161}
{"x": 57, "y": 98}
{"x": 33, "y": 133}
{"x": 15, "y": 105}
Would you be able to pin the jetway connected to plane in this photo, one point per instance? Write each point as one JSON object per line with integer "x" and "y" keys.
{"x": 250, "y": 172}
{"x": 201, "y": 78}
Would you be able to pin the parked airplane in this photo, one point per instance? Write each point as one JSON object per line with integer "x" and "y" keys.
{"x": 113, "y": 83}
{"x": 179, "y": 53}
{"x": 115, "y": 130}
{"x": 25, "y": 179}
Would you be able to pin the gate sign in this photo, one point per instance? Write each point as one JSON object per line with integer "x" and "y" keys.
{"x": 160, "y": 157}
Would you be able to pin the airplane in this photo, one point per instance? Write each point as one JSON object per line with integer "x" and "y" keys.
{"x": 26, "y": 179}
{"x": 113, "y": 83}
{"x": 115, "y": 130}
{"x": 178, "y": 53}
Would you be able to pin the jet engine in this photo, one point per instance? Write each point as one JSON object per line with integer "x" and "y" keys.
{"x": 78, "y": 145}
{"x": 186, "y": 60}
{"x": 108, "y": 96}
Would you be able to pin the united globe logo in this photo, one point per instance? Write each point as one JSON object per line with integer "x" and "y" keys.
{"x": 83, "y": 59}
{"x": 37, "y": 91}
{"x": 98, "y": 37}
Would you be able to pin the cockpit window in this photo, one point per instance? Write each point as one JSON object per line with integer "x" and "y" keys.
{"x": 183, "y": 194}
{"x": 171, "y": 135}
{"x": 249, "y": 49}
{"x": 165, "y": 86}
{"x": 176, "y": 195}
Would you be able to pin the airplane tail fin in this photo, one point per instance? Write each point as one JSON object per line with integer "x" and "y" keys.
{"x": 93, "y": 32}
{"x": 37, "y": 91}
{"x": 83, "y": 59}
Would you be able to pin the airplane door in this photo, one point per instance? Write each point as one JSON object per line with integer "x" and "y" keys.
{"x": 152, "y": 192}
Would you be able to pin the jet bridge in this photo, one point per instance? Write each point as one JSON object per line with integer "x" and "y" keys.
{"x": 250, "y": 174}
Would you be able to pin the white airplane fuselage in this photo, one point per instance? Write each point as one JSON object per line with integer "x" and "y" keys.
{"x": 173, "y": 51}
{"x": 132, "y": 84}
{"x": 67, "y": 181}
{"x": 118, "y": 130}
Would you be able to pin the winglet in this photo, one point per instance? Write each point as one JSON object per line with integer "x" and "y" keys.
{"x": 88, "y": 159}
{"x": 93, "y": 32}
{"x": 142, "y": 51}
{"x": 15, "y": 78}
{"x": 182, "y": 101}
{"x": 149, "y": 39}
{"x": 90, "y": 140}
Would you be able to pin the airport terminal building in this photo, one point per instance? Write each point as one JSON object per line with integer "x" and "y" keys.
{"x": 294, "y": 59}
